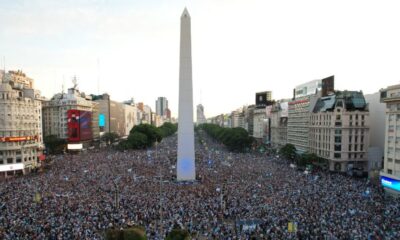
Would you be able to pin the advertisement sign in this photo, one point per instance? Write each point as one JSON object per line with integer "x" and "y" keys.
{"x": 284, "y": 109}
{"x": 390, "y": 183}
{"x": 17, "y": 139}
{"x": 75, "y": 146}
{"x": 263, "y": 99}
{"x": 73, "y": 125}
{"x": 102, "y": 122}
{"x": 85, "y": 125}
{"x": 11, "y": 167}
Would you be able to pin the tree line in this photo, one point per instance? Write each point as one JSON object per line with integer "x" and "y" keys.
{"x": 235, "y": 139}
{"x": 145, "y": 135}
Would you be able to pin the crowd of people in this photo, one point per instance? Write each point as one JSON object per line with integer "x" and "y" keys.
{"x": 237, "y": 196}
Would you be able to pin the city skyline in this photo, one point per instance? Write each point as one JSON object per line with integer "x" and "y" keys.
{"x": 132, "y": 48}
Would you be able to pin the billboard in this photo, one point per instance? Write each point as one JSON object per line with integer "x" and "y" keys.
{"x": 73, "y": 125}
{"x": 390, "y": 183}
{"x": 79, "y": 125}
{"x": 263, "y": 99}
{"x": 328, "y": 85}
{"x": 85, "y": 125}
{"x": 102, "y": 122}
{"x": 11, "y": 167}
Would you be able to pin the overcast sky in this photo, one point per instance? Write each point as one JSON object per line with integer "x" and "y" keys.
{"x": 238, "y": 47}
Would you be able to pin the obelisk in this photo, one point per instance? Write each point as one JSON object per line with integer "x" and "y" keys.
{"x": 186, "y": 161}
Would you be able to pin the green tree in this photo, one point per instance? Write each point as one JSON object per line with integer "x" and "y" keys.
{"x": 137, "y": 140}
{"x": 109, "y": 137}
{"x": 54, "y": 144}
{"x": 153, "y": 134}
{"x": 168, "y": 129}
{"x": 178, "y": 234}
{"x": 288, "y": 151}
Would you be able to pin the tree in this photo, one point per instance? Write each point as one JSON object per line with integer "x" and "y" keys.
{"x": 54, "y": 144}
{"x": 109, "y": 137}
{"x": 288, "y": 151}
{"x": 132, "y": 233}
{"x": 178, "y": 234}
{"x": 167, "y": 129}
{"x": 137, "y": 140}
{"x": 153, "y": 134}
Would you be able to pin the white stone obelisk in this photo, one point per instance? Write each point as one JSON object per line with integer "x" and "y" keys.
{"x": 186, "y": 157}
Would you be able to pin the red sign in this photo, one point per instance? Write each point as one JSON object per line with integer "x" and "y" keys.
{"x": 18, "y": 139}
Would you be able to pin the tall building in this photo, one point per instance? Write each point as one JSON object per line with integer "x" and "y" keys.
{"x": 304, "y": 99}
{"x": 339, "y": 131}
{"x": 186, "y": 161}
{"x": 279, "y": 121}
{"x": 237, "y": 119}
{"x": 200, "y": 115}
{"x": 161, "y": 106}
{"x": 21, "y": 140}
{"x": 390, "y": 175}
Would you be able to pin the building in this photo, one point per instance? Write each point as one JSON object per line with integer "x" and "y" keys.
{"x": 304, "y": 98}
{"x": 161, "y": 106}
{"x": 279, "y": 121}
{"x": 259, "y": 121}
{"x": 131, "y": 117}
{"x": 21, "y": 139}
{"x": 376, "y": 134}
{"x": 113, "y": 113}
{"x": 237, "y": 119}
{"x": 200, "y": 115}
{"x": 339, "y": 131}
{"x": 390, "y": 175}
{"x": 249, "y": 119}
{"x": 55, "y": 112}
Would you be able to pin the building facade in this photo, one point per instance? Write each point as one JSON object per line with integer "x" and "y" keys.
{"x": 279, "y": 121}
{"x": 259, "y": 118}
{"x": 55, "y": 112}
{"x": 161, "y": 106}
{"x": 200, "y": 115}
{"x": 390, "y": 175}
{"x": 21, "y": 139}
{"x": 339, "y": 131}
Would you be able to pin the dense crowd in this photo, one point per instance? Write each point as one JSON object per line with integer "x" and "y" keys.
{"x": 237, "y": 196}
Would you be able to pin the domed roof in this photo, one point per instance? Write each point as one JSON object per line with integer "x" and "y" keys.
{"x": 5, "y": 87}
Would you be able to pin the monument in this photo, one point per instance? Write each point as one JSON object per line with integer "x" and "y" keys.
{"x": 186, "y": 157}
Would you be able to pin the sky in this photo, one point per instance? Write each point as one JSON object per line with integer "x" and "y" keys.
{"x": 130, "y": 48}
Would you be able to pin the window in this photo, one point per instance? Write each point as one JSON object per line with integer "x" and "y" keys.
{"x": 355, "y": 147}
{"x": 9, "y": 160}
{"x": 18, "y": 160}
{"x": 349, "y": 139}
{"x": 338, "y": 139}
{"x": 390, "y": 171}
{"x": 356, "y": 116}
{"x": 338, "y": 147}
{"x": 362, "y": 117}
{"x": 337, "y": 117}
{"x": 397, "y": 161}
{"x": 349, "y": 148}
{"x": 361, "y": 147}
{"x": 338, "y": 124}
{"x": 337, "y": 155}
{"x": 338, "y": 131}
{"x": 351, "y": 117}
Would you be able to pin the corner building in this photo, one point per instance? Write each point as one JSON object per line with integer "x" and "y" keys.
{"x": 339, "y": 131}
{"x": 21, "y": 143}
